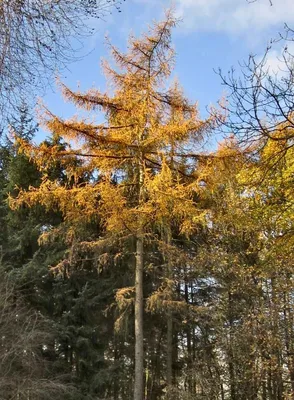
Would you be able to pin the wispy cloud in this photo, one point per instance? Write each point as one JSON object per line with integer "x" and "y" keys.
{"x": 234, "y": 16}
{"x": 279, "y": 60}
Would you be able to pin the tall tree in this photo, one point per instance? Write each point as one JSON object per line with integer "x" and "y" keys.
{"x": 260, "y": 99}
{"x": 243, "y": 259}
{"x": 140, "y": 160}
{"x": 25, "y": 332}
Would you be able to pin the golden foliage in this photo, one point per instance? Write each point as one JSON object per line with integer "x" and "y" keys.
{"x": 145, "y": 125}
{"x": 141, "y": 160}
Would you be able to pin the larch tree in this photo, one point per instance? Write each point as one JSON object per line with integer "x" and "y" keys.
{"x": 141, "y": 163}
{"x": 248, "y": 256}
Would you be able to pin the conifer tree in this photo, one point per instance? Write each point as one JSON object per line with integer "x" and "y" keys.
{"x": 25, "y": 371}
{"x": 140, "y": 161}
{"x": 246, "y": 255}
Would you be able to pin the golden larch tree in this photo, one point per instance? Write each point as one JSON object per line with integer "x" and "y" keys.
{"x": 141, "y": 160}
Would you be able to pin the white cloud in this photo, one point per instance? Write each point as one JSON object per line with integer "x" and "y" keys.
{"x": 235, "y": 16}
{"x": 276, "y": 60}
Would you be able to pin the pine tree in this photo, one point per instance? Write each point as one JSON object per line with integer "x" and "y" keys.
{"x": 25, "y": 330}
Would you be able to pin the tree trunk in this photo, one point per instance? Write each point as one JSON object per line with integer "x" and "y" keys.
{"x": 169, "y": 355}
{"x": 139, "y": 302}
{"x": 189, "y": 347}
{"x": 231, "y": 366}
{"x": 169, "y": 358}
{"x": 139, "y": 351}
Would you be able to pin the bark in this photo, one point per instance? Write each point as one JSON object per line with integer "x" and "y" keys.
{"x": 169, "y": 355}
{"x": 139, "y": 305}
{"x": 288, "y": 342}
{"x": 189, "y": 347}
{"x": 169, "y": 372}
{"x": 139, "y": 350}
{"x": 231, "y": 367}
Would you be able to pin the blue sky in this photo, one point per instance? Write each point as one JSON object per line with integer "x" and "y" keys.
{"x": 212, "y": 34}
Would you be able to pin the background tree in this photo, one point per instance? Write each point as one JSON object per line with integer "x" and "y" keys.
{"x": 24, "y": 372}
{"x": 36, "y": 38}
{"x": 245, "y": 231}
{"x": 260, "y": 100}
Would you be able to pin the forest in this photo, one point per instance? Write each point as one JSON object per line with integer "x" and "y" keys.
{"x": 135, "y": 263}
